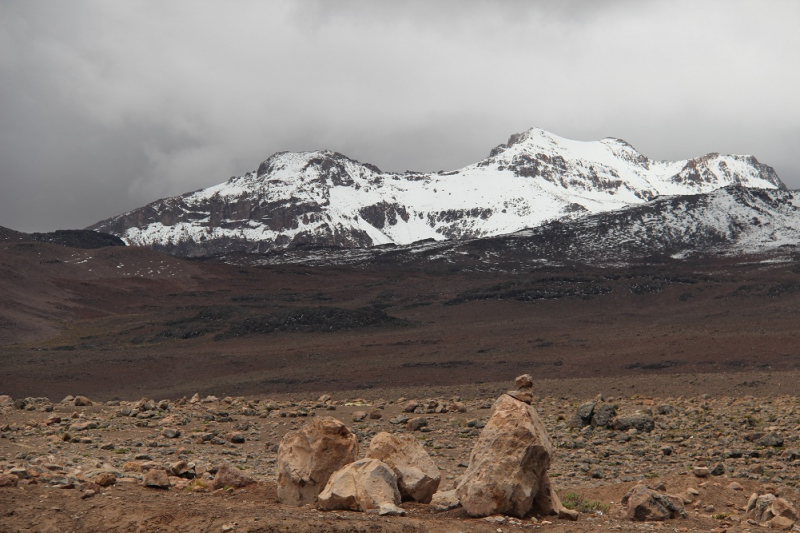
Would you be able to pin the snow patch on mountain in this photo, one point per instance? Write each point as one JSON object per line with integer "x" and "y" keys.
{"x": 325, "y": 198}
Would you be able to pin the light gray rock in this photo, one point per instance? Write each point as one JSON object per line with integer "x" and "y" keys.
{"x": 418, "y": 476}
{"x": 308, "y": 457}
{"x": 361, "y": 486}
{"x": 507, "y": 472}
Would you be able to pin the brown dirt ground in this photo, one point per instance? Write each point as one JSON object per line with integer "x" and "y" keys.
{"x": 93, "y": 322}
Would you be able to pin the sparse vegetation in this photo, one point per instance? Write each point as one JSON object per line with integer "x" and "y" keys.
{"x": 574, "y": 501}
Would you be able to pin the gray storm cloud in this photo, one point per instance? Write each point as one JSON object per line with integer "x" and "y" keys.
{"x": 106, "y": 106}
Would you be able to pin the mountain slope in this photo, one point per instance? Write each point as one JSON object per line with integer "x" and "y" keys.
{"x": 325, "y": 198}
{"x": 731, "y": 221}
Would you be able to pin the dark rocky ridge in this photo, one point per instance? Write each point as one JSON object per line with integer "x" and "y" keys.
{"x": 73, "y": 238}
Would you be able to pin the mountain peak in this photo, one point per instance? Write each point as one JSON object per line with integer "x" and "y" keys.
{"x": 324, "y": 197}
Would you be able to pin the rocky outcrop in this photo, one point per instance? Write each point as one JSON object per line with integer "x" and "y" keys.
{"x": 776, "y": 511}
{"x": 308, "y": 457}
{"x": 418, "y": 476}
{"x": 361, "y": 486}
{"x": 507, "y": 472}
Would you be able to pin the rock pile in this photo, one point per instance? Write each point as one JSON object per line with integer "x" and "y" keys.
{"x": 507, "y": 472}
{"x": 776, "y": 512}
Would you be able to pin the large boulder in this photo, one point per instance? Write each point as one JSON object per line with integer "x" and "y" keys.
{"x": 361, "y": 486}
{"x": 307, "y": 458}
{"x": 507, "y": 472}
{"x": 418, "y": 476}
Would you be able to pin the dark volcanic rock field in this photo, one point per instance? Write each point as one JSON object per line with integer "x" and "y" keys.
{"x": 126, "y": 321}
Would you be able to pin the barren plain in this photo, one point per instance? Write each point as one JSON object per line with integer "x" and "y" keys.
{"x": 715, "y": 338}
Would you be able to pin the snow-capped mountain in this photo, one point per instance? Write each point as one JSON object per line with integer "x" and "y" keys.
{"x": 326, "y": 198}
{"x": 732, "y": 221}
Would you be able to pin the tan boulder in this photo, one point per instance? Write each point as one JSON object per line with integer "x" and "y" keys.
{"x": 507, "y": 472}
{"x": 418, "y": 476}
{"x": 8, "y": 480}
{"x": 445, "y": 500}
{"x": 81, "y": 401}
{"x": 361, "y": 486}
{"x": 307, "y": 458}
{"x": 105, "y": 479}
{"x": 230, "y": 476}
{"x": 156, "y": 478}
{"x": 782, "y": 507}
{"x": 781, "y": 522}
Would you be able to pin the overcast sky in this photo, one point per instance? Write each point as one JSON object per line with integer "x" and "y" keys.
{"x": 108, "y": 105}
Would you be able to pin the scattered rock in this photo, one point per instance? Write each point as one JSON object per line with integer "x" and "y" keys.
{"x": 308, "y": 457}
{"x": 171, "y": 433}
{"x": 83, "y": 426}
{"x": 81, "y": 401}
{"x": 603, "y": 415}
{"x": 718, "y": 470}
{"x": 781, "y": 522}
{"x": 445, "y": 500}
{"x": 360, "y": 486}
{"x": 700, "y": 471}
{"x": 772, "y": 439}
{"x": 105, "y": 479}
{"x": 782, "y": 507}
{"x": 8, "y": 480}
{"x": 230, "y": 476}
{"x": 638, "y": 421}
{"x": 417, "y": 423}
{"x": 459, "y": 407}
{"x": 568, "y": 514}
{"x": 399, "y": 419}
{"x": 410, "y": 406}
{"x": 418, "y": 476}
{"x": 182, "y": 469}
{"x": 583, "y": 415}
{"x": 156, "y": 478}
{"x": 646, "y": 504}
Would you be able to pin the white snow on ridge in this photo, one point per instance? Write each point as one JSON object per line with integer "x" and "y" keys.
{"x": 536, "y": 177}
